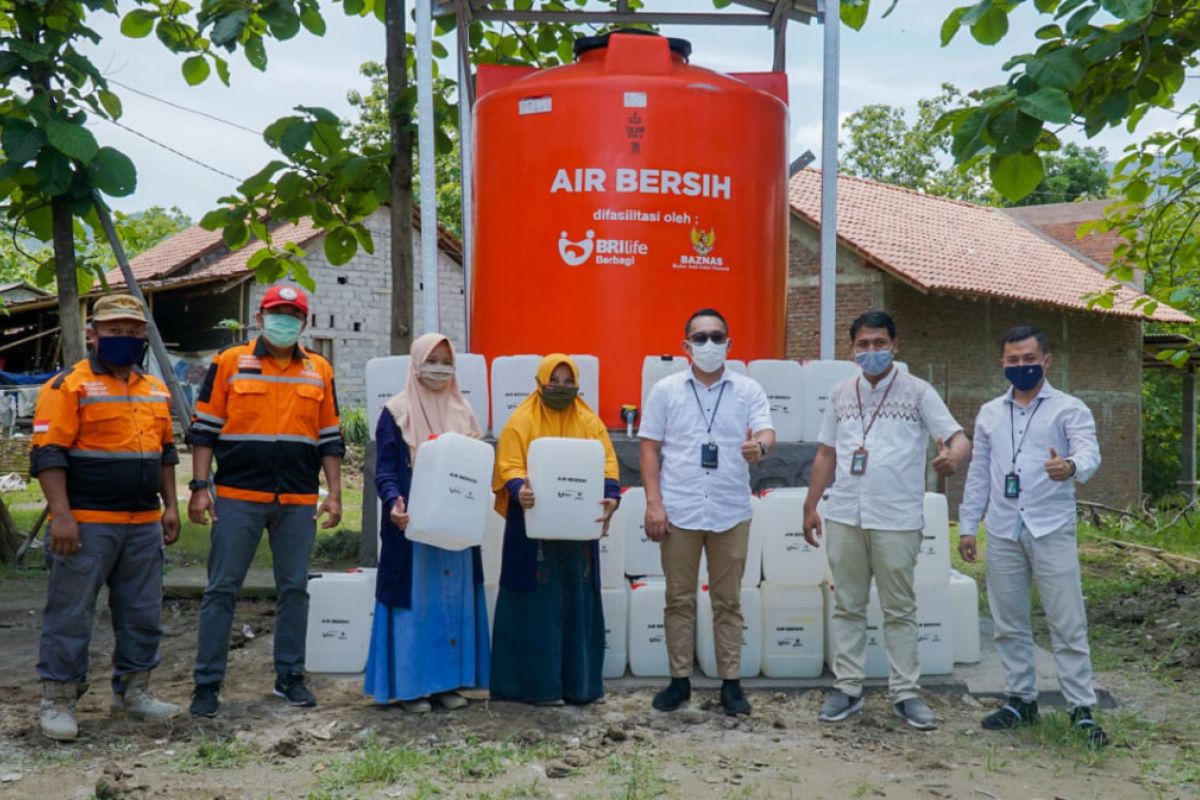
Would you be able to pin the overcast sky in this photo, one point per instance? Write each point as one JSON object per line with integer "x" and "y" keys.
{"x": 896, "y": 60}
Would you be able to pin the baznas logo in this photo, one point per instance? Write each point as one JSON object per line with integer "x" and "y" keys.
{"x": 575, "y": 253}
{"x": 703, "y": 241}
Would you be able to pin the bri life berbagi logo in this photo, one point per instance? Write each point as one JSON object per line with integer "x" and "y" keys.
{"x": 621, "y": 252}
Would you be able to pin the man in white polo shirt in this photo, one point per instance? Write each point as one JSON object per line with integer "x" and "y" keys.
{"x": 701, "y": 430}
{"x": 874, "y": 436}
{"x": 1032, "y": 444}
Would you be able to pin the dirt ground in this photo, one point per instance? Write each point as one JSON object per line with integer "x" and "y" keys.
{"x": 348, "y": 748}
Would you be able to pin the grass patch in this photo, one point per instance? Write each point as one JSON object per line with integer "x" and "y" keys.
{"x": 428, "y": 770}
{"x": 639, "y": 774}
{"x": 214, "y": 754}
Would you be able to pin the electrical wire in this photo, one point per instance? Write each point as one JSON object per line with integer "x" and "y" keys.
{"x": 173, "y": 151}
{"x": 197, "y": 112}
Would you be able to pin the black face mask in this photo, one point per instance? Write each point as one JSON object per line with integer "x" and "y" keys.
{"x": 559, "y": 397}
{"x": 121, "y": 351}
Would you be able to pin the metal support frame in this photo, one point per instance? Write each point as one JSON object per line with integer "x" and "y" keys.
{"x": 427, "y": 165}
{"x": 830, "y": 17}
{"x": 1188, "y": 455}
{"x": 182, "y": 409}
{"x": 774, "y": 14}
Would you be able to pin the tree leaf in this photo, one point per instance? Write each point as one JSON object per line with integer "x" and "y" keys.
{"x": 1016, "y": 175}
{"x": 195, "y": 70}
{"x": 1058, "y": 69}
{"x": 9, "y": 63}
{"x": 313, "y": 22}
{"x": 952, "y": 23}
{"x": 228, "y": 28}
{"x": 111, "y": 103}
{"x": 1050, "y": 105}
{"x": 854, "y": 13}
{"x": 1045, "y": 6}
{"x": 256, "y": 53}
{"x": 138, "y": 24}
{"x": 21, "y": 141}
{"x": 340, "y": 245}
{"x": 1128, "y": 10}
{"x": 222, "y": 69}
{"x": 113, "y": 173}
{"x": 968, "y": 136}
{"x": 71, "y": 139}
{"x": 54, "y": 173}
{"x": 991, "y": 27}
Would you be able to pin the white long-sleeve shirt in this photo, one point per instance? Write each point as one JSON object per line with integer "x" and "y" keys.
{"x": 1012, "y": 438}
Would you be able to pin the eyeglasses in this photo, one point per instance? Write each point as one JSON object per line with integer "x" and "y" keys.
{"x": 705, "y": 338}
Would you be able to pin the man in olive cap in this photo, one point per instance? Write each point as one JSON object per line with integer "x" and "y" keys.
{"x": 104, "y": 453}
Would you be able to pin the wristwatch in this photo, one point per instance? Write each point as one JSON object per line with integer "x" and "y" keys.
{"x": 1074, "y": 468}
{"x": 762, "y": 446}
{"x": 196, "y": 484}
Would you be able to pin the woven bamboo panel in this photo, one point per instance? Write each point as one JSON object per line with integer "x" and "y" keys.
{"x": 14, "y": 456}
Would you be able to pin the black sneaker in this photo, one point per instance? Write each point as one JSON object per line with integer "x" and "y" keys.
{"x": 678, "y": 692}
{"x": 733, "y": 700}
{"x": 1014, "y": 712}
{"x": 1081, "y": 720}
{"x": 292, "y": 688}
{"x": 206, "y": 699}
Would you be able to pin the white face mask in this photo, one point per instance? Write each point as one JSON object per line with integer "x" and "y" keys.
{"x": 710, "y": 356}
{"x": 435, "y": 376}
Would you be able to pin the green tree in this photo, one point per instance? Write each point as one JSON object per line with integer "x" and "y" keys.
{"x": 883, "y": 146}
{"x": 27, "y": 259}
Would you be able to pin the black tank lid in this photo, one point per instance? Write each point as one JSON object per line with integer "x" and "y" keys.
{"x": 586, "y": 43}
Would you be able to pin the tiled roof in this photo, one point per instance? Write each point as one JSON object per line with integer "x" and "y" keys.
{"x": 941, "y": 245}
{"x": 1061, "y": 222}
{"x": 170, "y": 255}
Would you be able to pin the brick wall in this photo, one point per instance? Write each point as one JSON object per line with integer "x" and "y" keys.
{"x": 954, "y": 344}
{"x": 352, "y": 306}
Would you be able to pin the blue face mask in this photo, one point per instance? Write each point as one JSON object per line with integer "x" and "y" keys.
{"x": 281, "y": 330}
{"x": 874, "y": 362}
{"x": 120, "y": 351}
{"x": 1025, "y": 376}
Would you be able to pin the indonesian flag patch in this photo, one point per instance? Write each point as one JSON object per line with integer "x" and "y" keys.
{"x": 41, "y": 426}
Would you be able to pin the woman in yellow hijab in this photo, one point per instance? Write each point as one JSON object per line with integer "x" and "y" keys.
{"x": 548, "y": 635}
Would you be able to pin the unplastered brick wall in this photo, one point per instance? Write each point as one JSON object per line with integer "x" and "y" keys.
{"x": 352, "y": 306}
{"x": 953, "y": 343}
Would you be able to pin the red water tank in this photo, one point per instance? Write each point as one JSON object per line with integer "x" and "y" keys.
{"x": 617, "y": 195}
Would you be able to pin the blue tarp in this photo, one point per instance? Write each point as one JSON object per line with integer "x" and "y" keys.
{"x": 20, "y": 379}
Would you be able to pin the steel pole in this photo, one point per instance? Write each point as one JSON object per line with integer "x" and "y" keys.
{"x": 466, "y": 146}
{"x": 427, "y": 164}
{"x": 831, "y": 19}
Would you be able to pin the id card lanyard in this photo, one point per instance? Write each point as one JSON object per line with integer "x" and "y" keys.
{"x": 1012, "y": 481}
{"x": 858, "y": 459}
{"x": 708, "y": 450}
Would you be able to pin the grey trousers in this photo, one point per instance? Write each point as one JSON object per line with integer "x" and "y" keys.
{"x": 234, "y": 538}
{"x": 855, "y": 555}
{"x": 129, "y": 560}
{"x": 1053, "y": 560}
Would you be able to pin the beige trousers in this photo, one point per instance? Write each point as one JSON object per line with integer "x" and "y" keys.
{"x": 726, "y": 551}
{"x": 855, "y": 555}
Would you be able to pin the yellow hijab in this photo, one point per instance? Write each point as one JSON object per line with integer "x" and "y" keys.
{"x": 533, "y": 419}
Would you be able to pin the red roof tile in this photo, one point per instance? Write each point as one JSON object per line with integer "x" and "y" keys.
{"x": 1061, "y": 222}
{"x": 942, "y": 245}
{"x": 169, "y": 255}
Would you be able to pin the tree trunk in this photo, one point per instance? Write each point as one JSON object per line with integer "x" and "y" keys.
{"x": 401, "y": 188}
{"x": 10, "y": 538}
{"x": 69, "y": 315}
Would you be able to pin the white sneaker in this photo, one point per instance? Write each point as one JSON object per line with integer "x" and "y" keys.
{"x": 58, "y": 710}
{"x": 137, "y": 701}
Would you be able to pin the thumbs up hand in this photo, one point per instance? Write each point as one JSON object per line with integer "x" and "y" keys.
{"x": 525, "y": 495}
{"x": 751, "y": 451}
{"x": 1059, "y": 469}
{"x": 945, "y": 462}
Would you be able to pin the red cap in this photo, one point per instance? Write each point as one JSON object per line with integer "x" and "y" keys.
{"x": 285, "y": 296}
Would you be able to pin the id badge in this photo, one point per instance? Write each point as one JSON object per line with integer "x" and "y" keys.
{"x": 858, "y": 461}
{"x": 708, "y": 455}
{"x": 1012, "y": 485}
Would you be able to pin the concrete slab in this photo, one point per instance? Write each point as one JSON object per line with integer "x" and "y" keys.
{"x": 190, "y": 582}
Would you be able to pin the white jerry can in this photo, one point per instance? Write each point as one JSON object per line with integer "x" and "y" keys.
{"x": 567, "y": 477}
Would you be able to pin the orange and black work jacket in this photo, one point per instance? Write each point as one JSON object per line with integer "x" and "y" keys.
{"x": 112, "y": 436}
{"x": 268, "y": 426}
